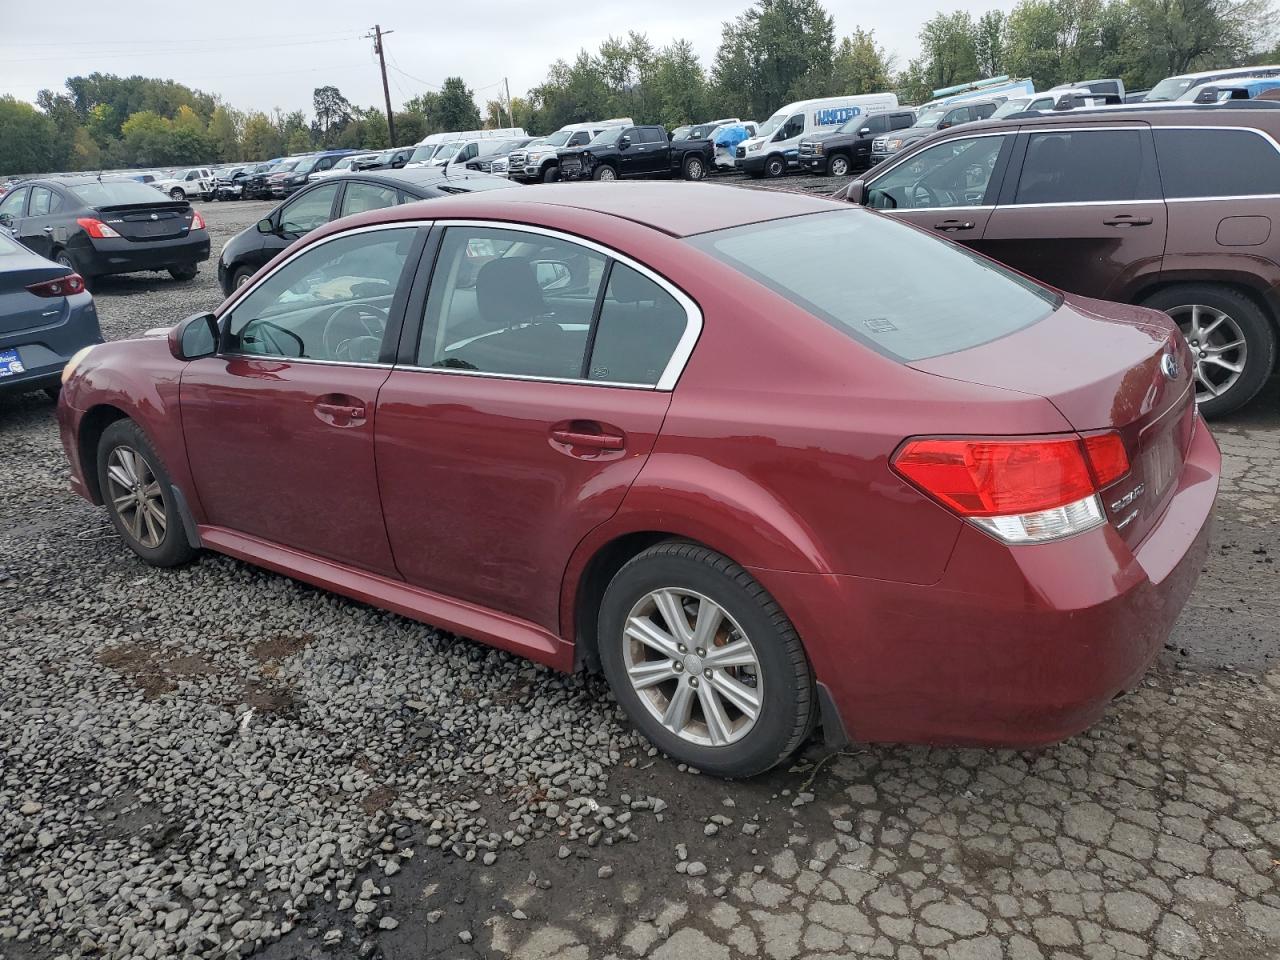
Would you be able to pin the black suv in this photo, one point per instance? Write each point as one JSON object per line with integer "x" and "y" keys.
{"x": 849, "y": 146}
{"x": 636, "y": 152}
{"x": 930, "y": 120}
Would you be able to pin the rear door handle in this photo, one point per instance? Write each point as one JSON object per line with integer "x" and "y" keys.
{"x": 589, "y": 435}
{"x": 950, "y": 226}
{"x": 1127, "y": 220}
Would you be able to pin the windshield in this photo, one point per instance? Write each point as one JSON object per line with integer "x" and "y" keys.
{"x": 607, "y": 136}
{"x": 385, "y": 157}
{"x": 422, "y": 153}
{"x": 772, "y": 124}
{"x": 111, "y": 192}
{"x": 931, "y": 117}
{"x": 344, "y": 163}
{"x": 1016, "y": 105}
{"x": 307, "y": 165}
{"x": 559, "y": 138}
{"x": 701, "y": 133}
{"x": 1170, "y": 88}
{"x": 906, "y": 314}
{"x": 284, "y": 166}
{"x": 680, "y": 133}
{"x": 444, "y": 153}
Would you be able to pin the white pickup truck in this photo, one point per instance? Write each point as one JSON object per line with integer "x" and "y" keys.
{"x": 192, "y": 182}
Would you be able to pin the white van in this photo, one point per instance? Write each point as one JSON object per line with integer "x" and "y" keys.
{"x": 777, "y": 146}
{"x": 539, "y": 162}
{"x": 430, "y": 146}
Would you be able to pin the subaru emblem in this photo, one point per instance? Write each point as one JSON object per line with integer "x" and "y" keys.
{"x": 155, "y": 216}
{"x": 1169, "y": 364}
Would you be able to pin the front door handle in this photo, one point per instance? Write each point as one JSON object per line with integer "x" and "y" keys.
{"x": 48, "y": 229}
{"x": 950, "y": 226}
{"x": 338, "y": 410}
{"x": 583, "y": 438}
{"x": 1127, "y": 220}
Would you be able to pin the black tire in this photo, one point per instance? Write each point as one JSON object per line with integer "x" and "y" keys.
{"x": 550, "y": 174}
{"x": 187, "y": 272}
{"x": 775, "y": 166}
{"x": 789, "y": 708}
{"x": 172, "y": 547}
{"x": 177, "y": 193}
{"x": 604, "y": 172}
{"x": 239, "y": 277}
{"x": 1257, "y": 329}
{"x": 838, "y": 165}
{"x": 695, "y": 168}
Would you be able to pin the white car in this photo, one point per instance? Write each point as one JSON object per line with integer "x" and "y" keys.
{"x": 192, "y": 182}
{"x": 346, "y": 165}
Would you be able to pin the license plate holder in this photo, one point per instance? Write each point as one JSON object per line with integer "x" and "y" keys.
{"x": 11, "y": 363}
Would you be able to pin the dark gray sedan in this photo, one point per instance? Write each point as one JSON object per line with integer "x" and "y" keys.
{"x": 46, "y": 316}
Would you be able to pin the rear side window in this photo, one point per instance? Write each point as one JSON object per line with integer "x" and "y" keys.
{"x": 902, "y": 121}
{"x": 639, "y": 327}
{"x": 846, "y": 268}
{"x": 651, "y": 135}
{"x": 984, "y": 110}
{"x": 1077, "y": 166}
{"x": 1192, "y": 163}
{"x": 43, "y": 202}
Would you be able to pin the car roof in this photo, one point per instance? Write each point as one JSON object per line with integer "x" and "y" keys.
{"x": 1247, "y": 113}
{"x": 676, "y": 208}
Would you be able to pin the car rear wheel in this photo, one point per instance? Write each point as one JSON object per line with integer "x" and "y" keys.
{"x": 139, "y": 496}
{"x": 838, "y": 166}
{"x": 775, "y": 167}
{"x": 187, "y": 272}
{"x": 694, "y": 168}
{"x": 177, "y": 193}
{"x": 1232, "y": 342}
{"x": 704, "y": 661}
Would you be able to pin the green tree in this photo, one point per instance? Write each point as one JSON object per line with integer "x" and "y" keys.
{"x": 26, "y": 138}
{"x": 679, "y": 92}
{"x": 988, "y": 40}
{"x": 861, "y": 65}
{"x": 949, "y": 49}
{"x": 456, "y": 107}
{"x": 777, "y": 51}
{"x": 1186, "y": 35}
{"x": 222, "y": 134}
{"x": 333, "y": 112}
{"x": 260, "y": 140}
{"x": 146, "y": 137}
{"x": 410, "y": 127}
{"x": 299, "y": 142}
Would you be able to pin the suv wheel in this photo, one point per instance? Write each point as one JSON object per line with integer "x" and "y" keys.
{"x": 775, "y": 167}
{"x": 704, "y": 662}
{"x": 838, "y": 166}
{"x": 1232, "y": 341}
{"x": 694, "y": 168}
{"x": 139, "y": 496}
{"x": 550, "y": 173}
{"x": 604, "y": 172}
{"x": 177, "y": 193}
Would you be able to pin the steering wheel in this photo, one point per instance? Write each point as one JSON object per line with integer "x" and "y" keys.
{"x": 919, "y": 190}
{"x": 349, "y": 330}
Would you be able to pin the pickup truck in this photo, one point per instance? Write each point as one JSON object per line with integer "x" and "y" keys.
{"x": 192, "y": 182}
{"x": 636, "y": 152}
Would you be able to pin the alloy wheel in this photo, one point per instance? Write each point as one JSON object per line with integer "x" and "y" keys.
{"x": 839, "y": 166}
{"x": 693, "y": 667}
{"x": 1217, "y": 345}
{"x": 137, "y": 496}
{"x": 606, "y": 173}
{"x": 695, "y": 169}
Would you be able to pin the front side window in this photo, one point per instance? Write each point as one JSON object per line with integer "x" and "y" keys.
{"x": 1077, "y": 166}
{"x": 949, "y": 300}
{"x": 12, "y": 205}
{"x": 579, "y": 138}
{"x": 957, "y": 116}
{"x": 956, "y": 173}
{"x": 362, "y": 197}
{"x": 329, "y": 303}
{"x": 310, "y": 210}
{"x": 509, "y": 302}
{"x": 794, "y": 127}
{"x": 1191, "y": 163}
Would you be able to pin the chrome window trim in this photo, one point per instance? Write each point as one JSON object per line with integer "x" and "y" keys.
{"x": 1081, "y": 203}
{"x": 679, "y": 356}
{"x": 248, "y": 289}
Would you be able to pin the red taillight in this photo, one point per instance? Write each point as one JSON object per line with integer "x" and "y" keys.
{"x": 96, "y": 228}
{"x": 197, "y": 221}
{"x": 1108, "y": 458}
{"x": 66, "y": 286}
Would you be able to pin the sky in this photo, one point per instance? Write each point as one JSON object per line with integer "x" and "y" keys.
{"x": 258, "y": 56}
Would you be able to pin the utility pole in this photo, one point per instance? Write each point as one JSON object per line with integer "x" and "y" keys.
{"x": 511, "y": 120}
{"x": 376, "y": 37}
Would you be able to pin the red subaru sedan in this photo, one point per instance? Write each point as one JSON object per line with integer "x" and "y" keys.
{"x": 762, "y": 458}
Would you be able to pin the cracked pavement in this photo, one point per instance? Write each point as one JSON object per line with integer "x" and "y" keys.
{"x": 1154, "y": 835}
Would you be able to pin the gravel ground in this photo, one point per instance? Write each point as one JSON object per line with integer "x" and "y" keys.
{"x": 217, "y": 761}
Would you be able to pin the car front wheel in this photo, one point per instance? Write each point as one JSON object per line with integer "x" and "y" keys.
{"x": 838, "y": 166}
{"x": 775, "y": 167}
{"x": 1233, "y": 343}
{"x": 704, "y": 661}
{"x": 177, "y": 193}
{"x": 139, "y": 496}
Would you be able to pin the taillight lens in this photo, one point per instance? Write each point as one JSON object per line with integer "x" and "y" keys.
{"x": 197, "y": 221}
{"x": 1023, "y": 490}
{"x": 96, "y": 228}
{"x": 66, "y": 286}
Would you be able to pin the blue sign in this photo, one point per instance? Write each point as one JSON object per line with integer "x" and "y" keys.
{"x": 834, "y": 116}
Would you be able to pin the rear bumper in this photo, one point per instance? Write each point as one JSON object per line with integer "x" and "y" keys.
{"x": 1014, "y": 646}
{"x": 44, "y": 351}
{"x": 126, "y": 256}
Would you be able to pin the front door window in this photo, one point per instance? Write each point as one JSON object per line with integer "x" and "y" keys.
{"x": 956, "y": 173}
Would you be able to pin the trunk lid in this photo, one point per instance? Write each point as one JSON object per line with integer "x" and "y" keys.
{"x": 163, "y": 220}
{"x": 1104, "y": 366}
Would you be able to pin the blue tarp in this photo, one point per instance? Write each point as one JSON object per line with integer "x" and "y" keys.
{"x": 731, "y": 135}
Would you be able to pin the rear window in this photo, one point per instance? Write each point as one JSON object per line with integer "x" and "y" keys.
{"x": 1191, "y": 163}
{"x": 883, "y": 283}
{"x": 108, "y": 193}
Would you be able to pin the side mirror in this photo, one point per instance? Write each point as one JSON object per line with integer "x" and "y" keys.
{"x": 266, "y": 225}
{"x": 194, "y": 337}
{"x": 856, "y": 192}
{"x": 624, "y": 141}
{"x": 864, "y": 132}
{"x": 944, "y": 124}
